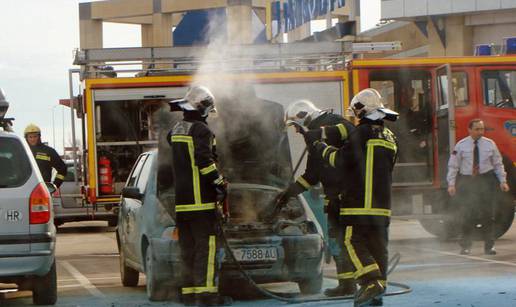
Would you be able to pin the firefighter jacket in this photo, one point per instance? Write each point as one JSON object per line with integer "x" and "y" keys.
{"x": 369, "y": 157}
{"x": 195, "y": 172}
{"x": 47, "y": 158}
{"x": 317, "y": 170}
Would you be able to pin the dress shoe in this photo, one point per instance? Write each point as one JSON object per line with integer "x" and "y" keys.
{"x": 465, "y": 251}
{"x": 368, "y": 292}
{"x": 490, "y": 251}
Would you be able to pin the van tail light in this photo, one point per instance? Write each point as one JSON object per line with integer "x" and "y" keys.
{"x": 39, "y": 205}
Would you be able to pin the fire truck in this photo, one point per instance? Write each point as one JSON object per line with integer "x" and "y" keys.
{"x": 123, "y": 90}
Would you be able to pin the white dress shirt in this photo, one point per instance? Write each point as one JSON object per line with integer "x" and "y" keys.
{"x": 461, "y": 159}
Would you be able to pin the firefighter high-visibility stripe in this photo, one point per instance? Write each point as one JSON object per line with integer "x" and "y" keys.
{"x": 210, "y": 271}
{"x": 58, "y": 176}
{"x": 347, "y": 275}
{"x": 195, "y": 171}
{"x": 363, "y": 211}
{"x": 343, "y": 131}
{"x": 194, "y": 290}
{"x": 303, "y": 182}
{"x": 368, "y": 197}
{"x": 370, "y": 268}
{"x": 199, "y": 207}
{"x": 351, "y": 250}
{"x": 371, "y": 144}
{"x": 383, "y": 282}
{"x": 332, "y": 158}
{"x": 42, "y": 157}
{"x": 325, "y": 151}
{"x": 208, "y": 169}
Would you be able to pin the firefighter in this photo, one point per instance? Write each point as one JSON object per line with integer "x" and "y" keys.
{"x": 370, "y": 153}
{"x": 303, "y": 114}
{"x": 198, "y": 187}
{"x": 46, "y": 156}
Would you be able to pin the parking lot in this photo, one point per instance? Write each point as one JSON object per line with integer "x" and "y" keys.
{"x": 88, "y": 273}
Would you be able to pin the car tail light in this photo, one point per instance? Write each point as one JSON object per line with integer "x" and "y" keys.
{"x": 39, "y": 205}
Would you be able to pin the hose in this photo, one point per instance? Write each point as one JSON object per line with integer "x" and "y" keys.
{"x": 393, "y": 262}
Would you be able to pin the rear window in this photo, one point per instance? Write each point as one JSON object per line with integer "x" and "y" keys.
{"x": 14, "y": 163}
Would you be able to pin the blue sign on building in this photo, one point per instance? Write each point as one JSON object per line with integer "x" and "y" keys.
{"x": 298, "y": 12}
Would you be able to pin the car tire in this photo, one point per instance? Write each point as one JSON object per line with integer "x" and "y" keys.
{"x": 44, "y": 288}
{"x": 311, "y": 285}
{"x": 128, "y": 275}
{"x": 155, "y": 291}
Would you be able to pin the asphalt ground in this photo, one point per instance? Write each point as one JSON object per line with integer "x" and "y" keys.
{"x": 88, "y": 272}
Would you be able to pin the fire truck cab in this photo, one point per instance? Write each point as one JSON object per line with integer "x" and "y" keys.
{"x": 436, "y": 99}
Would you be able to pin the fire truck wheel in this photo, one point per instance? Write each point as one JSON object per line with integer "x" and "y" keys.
{"x": 440, "y": 227}
{"x": 504, "y": 216}
{"x": 155, "y": 291}
{"x": 128, "y": 275}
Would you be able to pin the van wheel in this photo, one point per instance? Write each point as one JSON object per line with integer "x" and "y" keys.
{"x": 311, "y": 285}
{"x": 128, "y": 275}
{"x": 155, "y": 291}
{"x": 44, "y": 288}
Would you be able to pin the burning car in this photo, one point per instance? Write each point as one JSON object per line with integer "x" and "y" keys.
{"x": 271, "y": 245}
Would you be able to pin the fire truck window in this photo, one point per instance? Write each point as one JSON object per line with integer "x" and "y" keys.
{"x": 386, "y": 89}
{"x": 443, "y": 83}
{"x": 136, "y": 171}
{"x": 460, "y": 88}
{"x": 499, "y": 88}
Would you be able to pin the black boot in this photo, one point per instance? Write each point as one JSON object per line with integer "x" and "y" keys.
{"x": 213, "y": 300}
{"x": 188, "y": 299}
{"x": 368, "y": 291}
{"x": 376, "y": 302}
{"x": 344, "y": 288}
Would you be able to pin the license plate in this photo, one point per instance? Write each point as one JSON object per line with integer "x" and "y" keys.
{"x": 255, "y": 254}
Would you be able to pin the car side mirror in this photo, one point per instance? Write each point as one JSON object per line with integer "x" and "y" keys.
{"x": 51, "y": 187}
{"x": 132, "y": 192}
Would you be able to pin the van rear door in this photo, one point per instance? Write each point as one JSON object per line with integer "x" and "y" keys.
{"x": 15, "y": 190}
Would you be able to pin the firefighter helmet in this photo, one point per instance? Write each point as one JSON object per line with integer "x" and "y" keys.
{"x": 198, "y": 98}
{"x": 301, "y": 112}
{"x": 368, "y": 103}
{"x": 31, "y": 128}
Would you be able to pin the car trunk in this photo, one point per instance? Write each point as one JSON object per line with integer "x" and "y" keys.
{"x": 15, "y": 190}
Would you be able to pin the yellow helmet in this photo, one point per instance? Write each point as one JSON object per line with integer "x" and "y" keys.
{"x": 31, "y": 128}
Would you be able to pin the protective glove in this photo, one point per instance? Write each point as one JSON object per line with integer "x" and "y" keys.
{"x": 220, "y": 186}
{"x": 319, "y": 147}
{"x": 311, "y": 136}
{"x": 282, "y": 198}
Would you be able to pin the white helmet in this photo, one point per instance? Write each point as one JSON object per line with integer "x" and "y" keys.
{"x": 301, "y": 112}
{"x": 198, "y": 98}
{"x": 368, "y": 103}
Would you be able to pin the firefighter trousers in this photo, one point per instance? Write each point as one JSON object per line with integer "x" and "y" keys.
{"x": 200, "y": 252}
{"x": 338, "y": 250}
{"x": 366, "y": 247}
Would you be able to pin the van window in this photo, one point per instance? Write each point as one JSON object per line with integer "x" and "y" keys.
{"x": 460, "y": 88}
{"x": 499, "y": 88}
{"x": 14, "y": 163}
{"x": 144, "y": 175}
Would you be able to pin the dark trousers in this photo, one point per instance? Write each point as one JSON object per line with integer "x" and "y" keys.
{"x": 476, "y": 197}
{"x": 345, "y": 272}
{"x": 366, "y": 246}
{"x": 200, "y": 252}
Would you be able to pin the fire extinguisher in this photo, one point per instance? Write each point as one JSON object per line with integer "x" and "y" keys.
{"x": 105, "y": 176}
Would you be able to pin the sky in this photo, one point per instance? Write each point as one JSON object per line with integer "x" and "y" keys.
{"x": 37, "y": 39}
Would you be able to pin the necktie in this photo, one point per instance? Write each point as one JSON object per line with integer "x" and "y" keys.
{"x": 475, "y": 159}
